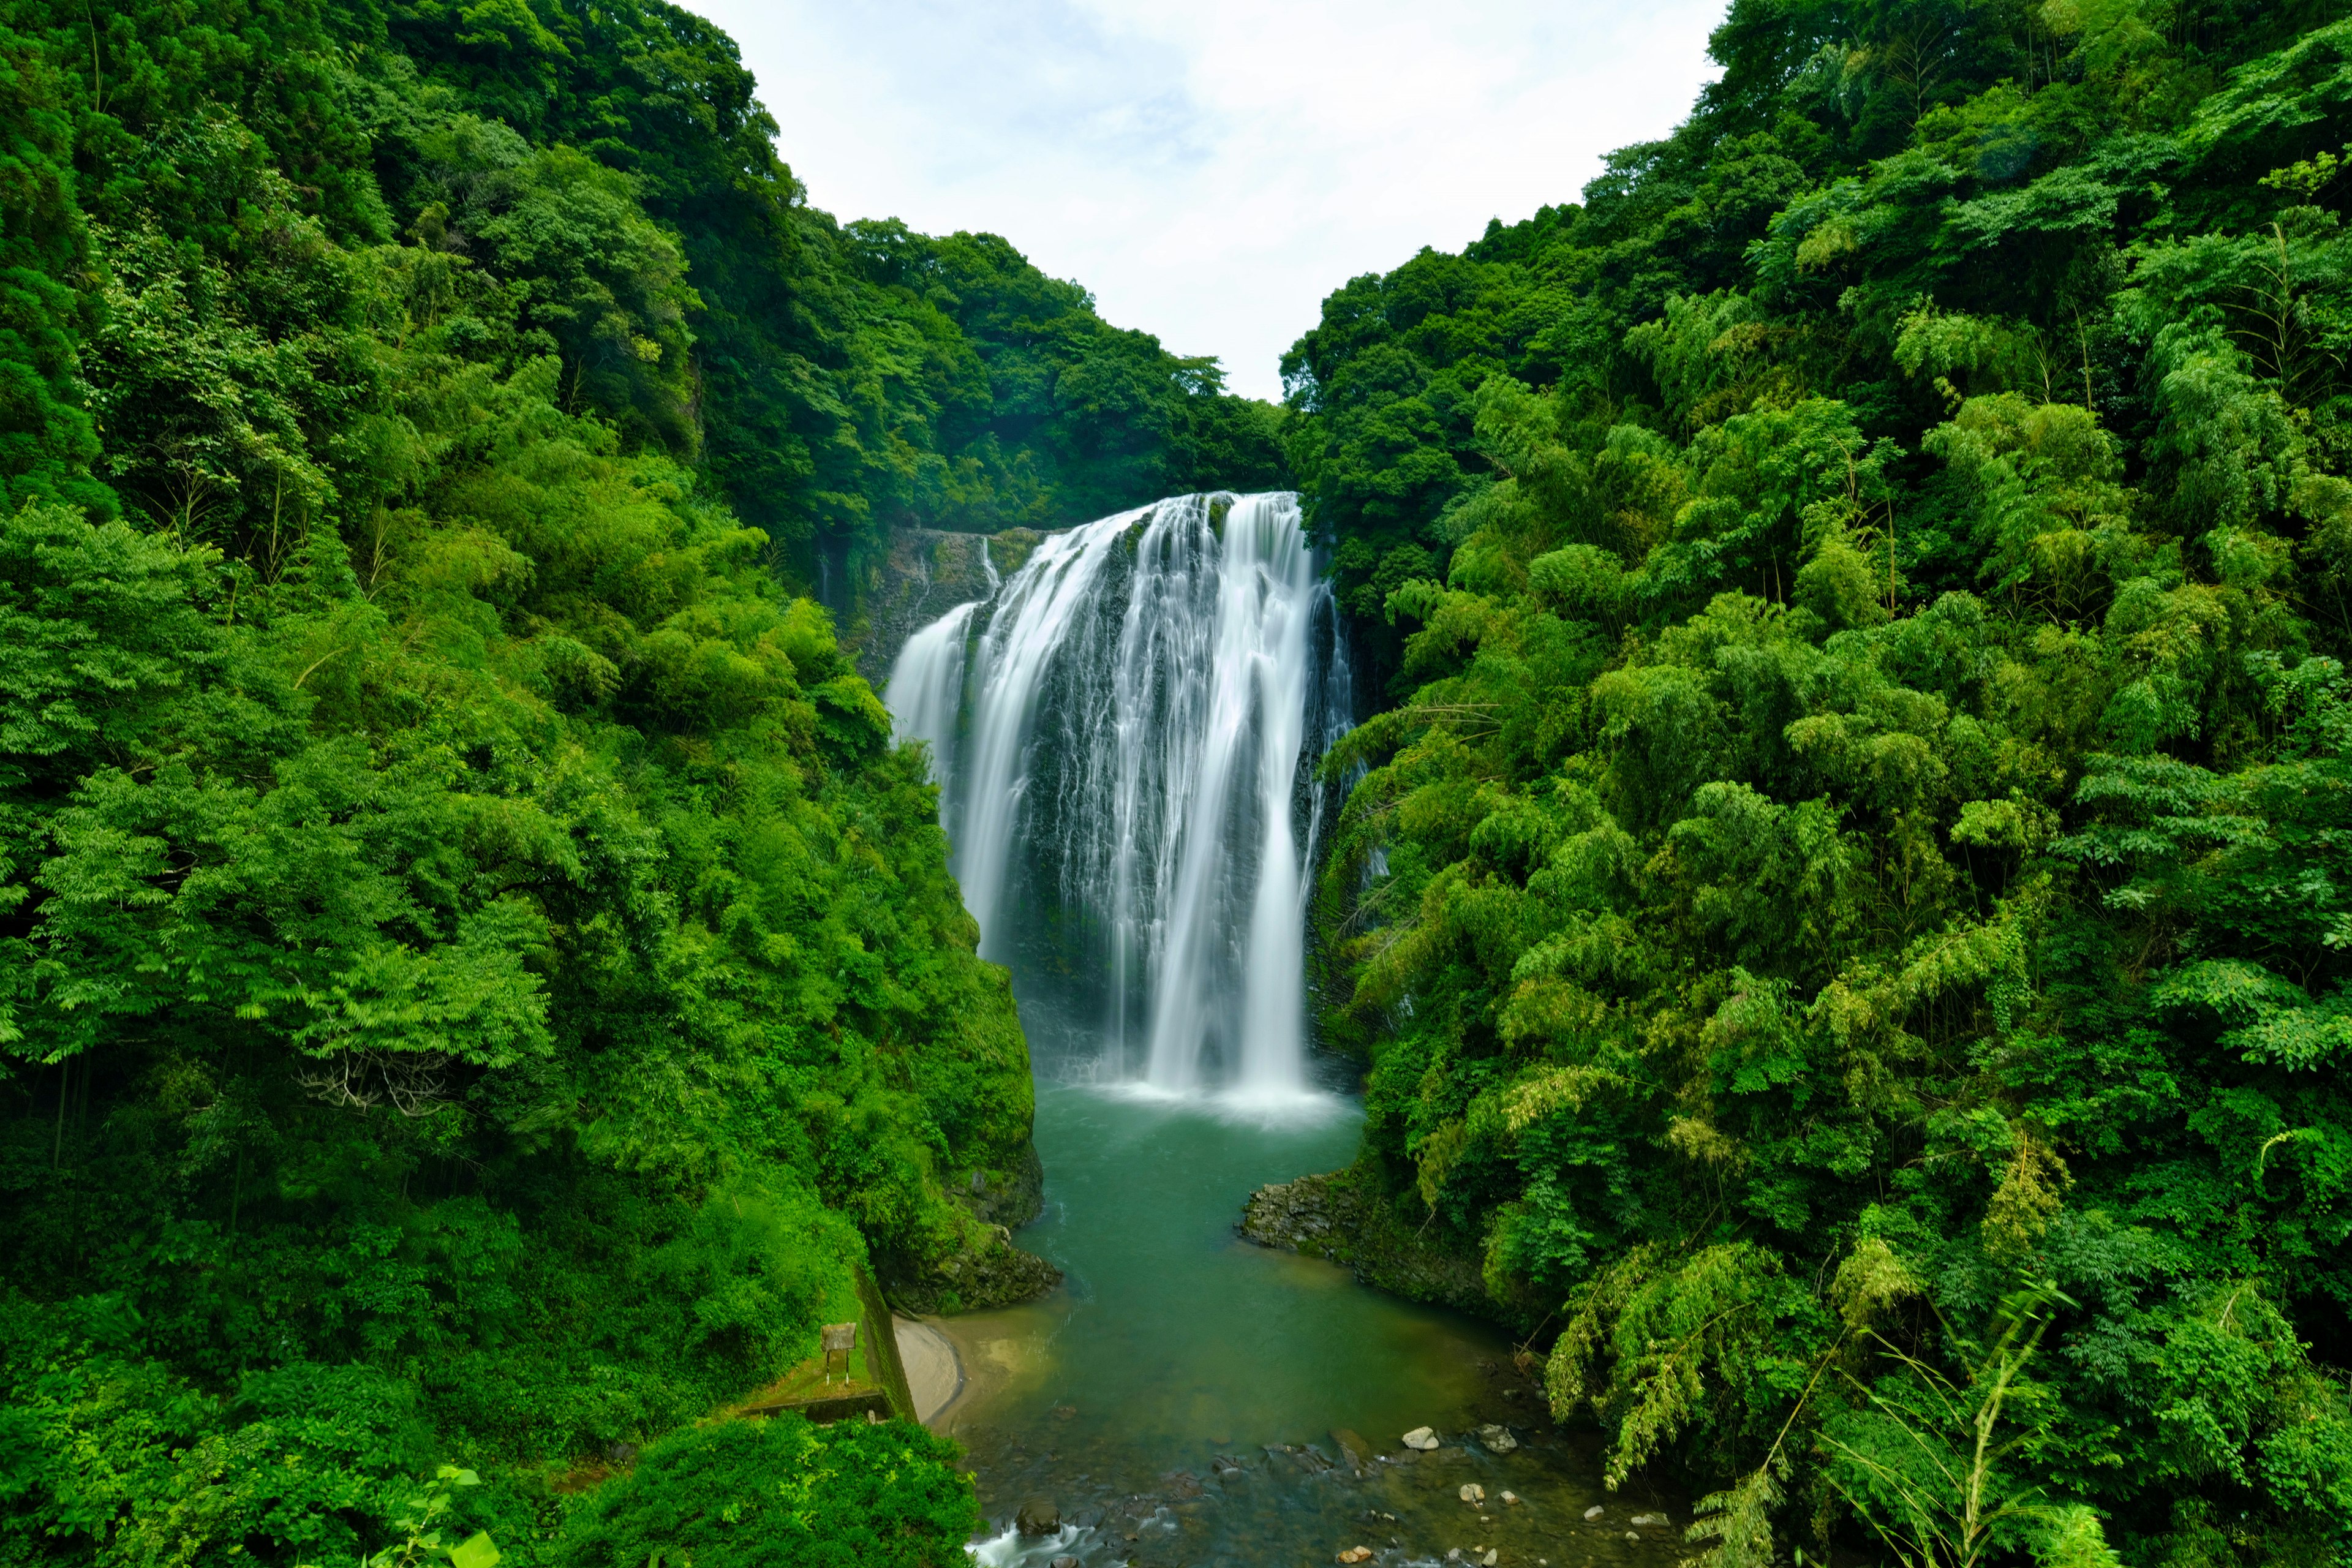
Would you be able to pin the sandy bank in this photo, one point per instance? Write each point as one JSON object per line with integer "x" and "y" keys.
{"x": 934, "y": 1371}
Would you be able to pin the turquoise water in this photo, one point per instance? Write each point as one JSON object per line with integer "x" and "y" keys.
{"x": 1177, "y": 1399}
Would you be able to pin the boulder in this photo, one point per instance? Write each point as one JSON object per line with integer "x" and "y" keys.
{"x": 1498, "y": 1439}
{"x": 1649, "y": 1519}
{"x": 1592, "y": 1513}
{"x": 1038, "y": 1517}
{"x": 1473, "y": 1492}
{"x": 1355, "y": 1554}
{"x": 1421, "y": 1437}
{"x": 1512, "y": 1499}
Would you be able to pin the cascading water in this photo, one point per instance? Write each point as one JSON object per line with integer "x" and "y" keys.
{"x": 1125, "y": 732}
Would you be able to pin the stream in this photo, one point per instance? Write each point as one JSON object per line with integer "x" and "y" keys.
{"x": 1189, "y": 1397}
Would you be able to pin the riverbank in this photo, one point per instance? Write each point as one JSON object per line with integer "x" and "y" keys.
{"x": 934, "y": 1369}
{"x": 1331, "y": 1217}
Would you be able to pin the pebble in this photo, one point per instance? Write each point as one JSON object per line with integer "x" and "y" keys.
{"x": 1473, "y": 1492}
{"x": 1512, "y": 1499}
{"x": 1421, "y": 1437}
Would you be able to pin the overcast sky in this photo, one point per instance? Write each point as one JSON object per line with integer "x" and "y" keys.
{"x": 1212, "y": 168}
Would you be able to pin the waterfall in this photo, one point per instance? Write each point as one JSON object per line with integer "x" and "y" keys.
{"x": 1125, "y": 732}
{"x": 926, "y": 685}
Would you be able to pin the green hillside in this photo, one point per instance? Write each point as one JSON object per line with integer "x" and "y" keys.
{"x": 476, "y": 976}
{"x": 1847, "y": 913}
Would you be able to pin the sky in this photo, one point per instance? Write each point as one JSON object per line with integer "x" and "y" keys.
{"x": 1211, "y": 169}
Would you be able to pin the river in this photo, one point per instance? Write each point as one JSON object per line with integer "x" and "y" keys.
{"x": 1189, "y": 1397}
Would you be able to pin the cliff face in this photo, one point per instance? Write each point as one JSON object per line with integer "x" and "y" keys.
{"x": 925, "y": 573}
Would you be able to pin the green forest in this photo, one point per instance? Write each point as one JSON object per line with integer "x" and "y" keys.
{"x": 1838, "y": 911}
{"x": 1847, "y": 913}
{"x": 476, "y": 981}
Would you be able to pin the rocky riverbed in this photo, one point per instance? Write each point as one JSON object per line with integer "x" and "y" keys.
{"x": 1536, "y": 1503}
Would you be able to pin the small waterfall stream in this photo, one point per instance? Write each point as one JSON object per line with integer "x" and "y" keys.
{"x": 1125, "y": 732}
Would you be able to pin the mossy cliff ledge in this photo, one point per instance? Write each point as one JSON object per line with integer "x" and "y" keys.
{"x": 985, "y": 1269}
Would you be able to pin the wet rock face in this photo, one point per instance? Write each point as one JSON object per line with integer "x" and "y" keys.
{"x": 923, "y": 576}
{"x": 1331, "y": 1217}
{"x": 1038, "y": 1518}
{"x": 988, "y": 1271}
{"x": 1010, "y": 1198}
{"x": 924, "y": 573}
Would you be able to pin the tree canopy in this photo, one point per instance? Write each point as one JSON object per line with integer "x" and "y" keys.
{"x": 1844, "y": 914}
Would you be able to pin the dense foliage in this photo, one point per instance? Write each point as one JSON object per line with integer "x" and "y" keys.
{"x": 749, "y": 1494}
{"x": 476, "y": 977}
{"x": 1848, "y": 911}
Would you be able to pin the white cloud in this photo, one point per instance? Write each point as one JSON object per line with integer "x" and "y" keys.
{"x": 1212, "y": 170}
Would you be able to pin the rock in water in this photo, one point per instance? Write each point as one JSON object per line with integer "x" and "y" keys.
{"x": 1421, "y": 1437}
{"x": 1512, "y": 1499}
{"x": 1594, "y": 1513}
{"x": 1474, "y": 1492}
{"x": 1498, "y": 1439}
{"x": 1357, "y": 1554}
{"x": 1065, "y": 1562}
{"x": 1491, "y": 1559}
{"x": 1352, "y": 1447}
{"x": 1038, "y": 1517}
{"x": 1649, "y": 1519}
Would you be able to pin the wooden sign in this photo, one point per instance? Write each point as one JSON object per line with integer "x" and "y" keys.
{"x": 839, "y": 1340}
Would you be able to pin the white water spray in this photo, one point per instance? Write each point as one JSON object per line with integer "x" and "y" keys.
{"x": 1126, "y": 771}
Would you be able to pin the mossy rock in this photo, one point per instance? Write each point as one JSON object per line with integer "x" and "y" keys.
{"x": 1011, "y": 549}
